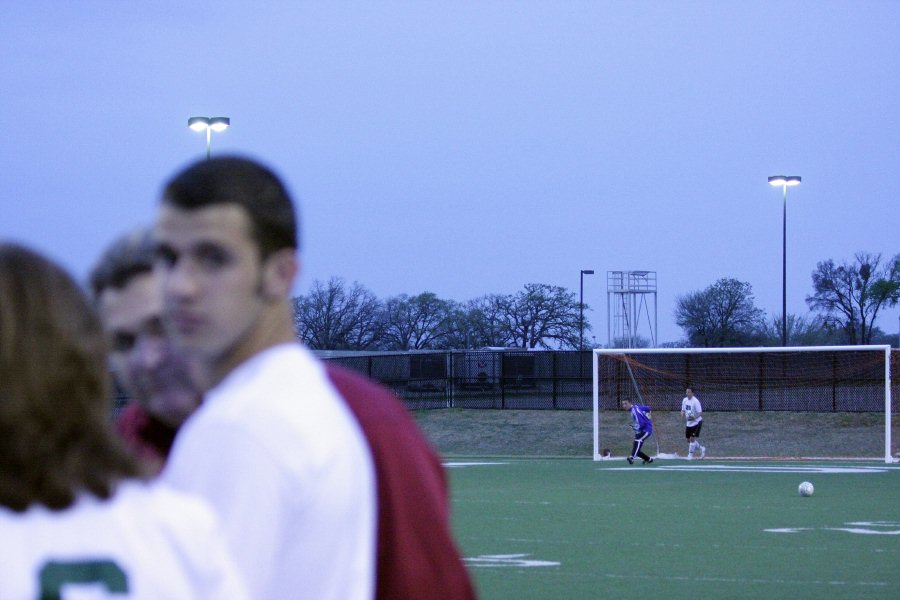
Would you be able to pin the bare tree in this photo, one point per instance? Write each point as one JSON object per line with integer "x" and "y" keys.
{"x": 334, "y": 316}
{"x": 722, "y": 315}
{"x": 486, "y": 321}
{"x": 849, "y": 296}
{"x": 462, "y": 329}
{"x": 541, "y": 315}
{"x": 802, "y": 331}
{"x": 418, "y": 322}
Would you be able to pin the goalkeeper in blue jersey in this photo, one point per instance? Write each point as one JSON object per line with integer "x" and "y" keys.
{"x": 643, "y": 428}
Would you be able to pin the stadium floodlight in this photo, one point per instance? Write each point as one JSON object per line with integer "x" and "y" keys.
{"x": 784, "y": 182}
{"x": 581, "y": 307}
{"x": 219, "y": 123}
{"x": 209, "y": 124}
{"x": 781, "y": 180}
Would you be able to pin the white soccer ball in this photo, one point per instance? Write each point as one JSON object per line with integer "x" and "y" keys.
{"x": 806, "y": 489}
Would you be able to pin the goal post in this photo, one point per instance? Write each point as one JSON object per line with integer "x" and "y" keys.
{"x": 770, "y": 402}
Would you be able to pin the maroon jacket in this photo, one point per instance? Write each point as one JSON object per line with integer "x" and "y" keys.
{"x": 417, "y": 555}
{"x": 149, "y": 438}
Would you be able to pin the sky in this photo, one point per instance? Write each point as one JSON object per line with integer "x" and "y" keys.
{"x": 474, "y": 146}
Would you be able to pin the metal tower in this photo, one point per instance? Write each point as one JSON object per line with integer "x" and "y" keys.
{"x": 628, "y": 297}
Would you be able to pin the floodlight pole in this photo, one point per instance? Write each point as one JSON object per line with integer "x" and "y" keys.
{"x": 784, "y": 182}
{"x": 784, "y": 269}
{"x": 209, "y": 124}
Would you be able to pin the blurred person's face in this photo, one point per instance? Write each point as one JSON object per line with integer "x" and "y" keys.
{"x": 141, "y": 355}
{"x": 216, "y": 288}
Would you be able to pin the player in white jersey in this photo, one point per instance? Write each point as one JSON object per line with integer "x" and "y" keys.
{"x": 146, "y": 542}
{"x": 273, "y": 447}
{"x": 693, "y": 416}
{"x": 76, "y": 516}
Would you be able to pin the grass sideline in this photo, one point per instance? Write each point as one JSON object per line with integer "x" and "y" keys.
{"x": 550, "y": 433}
{"x": 574, "y": 528}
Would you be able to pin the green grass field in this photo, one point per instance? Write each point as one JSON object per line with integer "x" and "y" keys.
{"x": 574, "y": 528}
{"x": 543, "y": 433}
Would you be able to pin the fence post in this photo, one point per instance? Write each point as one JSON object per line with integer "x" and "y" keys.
{"x": 762, "y": 378}
{"x": 502, "y": 380}
{"x": 833, "y": 383}
{"x": 450, "y": 380}
{"x": 553, "y": 378}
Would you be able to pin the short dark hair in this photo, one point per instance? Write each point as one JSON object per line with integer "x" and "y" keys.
{"x": 130, "y": 255}
{"x": 56, "y": 438}
{"x": 246, "y": 183}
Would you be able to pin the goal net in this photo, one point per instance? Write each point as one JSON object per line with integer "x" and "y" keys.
{"x": 796, "y": 402}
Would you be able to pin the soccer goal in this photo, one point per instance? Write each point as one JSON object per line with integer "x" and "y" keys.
{"x": 795, "y": 402}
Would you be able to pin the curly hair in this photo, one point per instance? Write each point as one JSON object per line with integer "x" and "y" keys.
{"x": 56, "y": 438}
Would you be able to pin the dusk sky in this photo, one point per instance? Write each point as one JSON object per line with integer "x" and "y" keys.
{"x": 472, "y": 147}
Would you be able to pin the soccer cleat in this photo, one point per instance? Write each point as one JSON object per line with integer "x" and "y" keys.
{"x": 630, "y": 460}
{"x": 649, "y": 460}
{"x": 690, "y": 456}
{"x": 702, "y": 451}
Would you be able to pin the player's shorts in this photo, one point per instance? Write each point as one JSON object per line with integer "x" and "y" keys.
{"x": 693, "y": 431}
{"x": 643, "y": 434}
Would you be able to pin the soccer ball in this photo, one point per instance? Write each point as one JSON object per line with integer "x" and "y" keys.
{"x": 806, "y": 489}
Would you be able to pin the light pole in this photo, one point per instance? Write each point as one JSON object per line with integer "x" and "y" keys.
{"x": 209, "y": 124}
{"x": 785, "y": 182}
{"x": 581, "y": 307}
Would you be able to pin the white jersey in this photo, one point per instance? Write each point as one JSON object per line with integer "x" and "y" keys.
{"x": 146, "y": 542}
{"x": 281, "y": 458}
{"x": 692, "y": 410}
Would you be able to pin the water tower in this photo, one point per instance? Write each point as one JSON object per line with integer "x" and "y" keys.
{"x": 629, "y": 295}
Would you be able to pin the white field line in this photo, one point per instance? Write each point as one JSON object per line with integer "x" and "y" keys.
{"x": 755, "y": 580}
{"x": 796, "y": 469}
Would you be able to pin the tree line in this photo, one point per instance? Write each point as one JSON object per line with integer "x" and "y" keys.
{"x": 340, "y": 316}
{"x": 845, "y": 303}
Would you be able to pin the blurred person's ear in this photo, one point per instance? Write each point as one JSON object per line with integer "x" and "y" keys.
{"x": 279, "y": 272}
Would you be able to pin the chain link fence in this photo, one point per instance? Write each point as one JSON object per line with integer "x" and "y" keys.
{"x": 520, "y": 379}
{"x": 498, "y": 379}
{"x": 480, "y": 378}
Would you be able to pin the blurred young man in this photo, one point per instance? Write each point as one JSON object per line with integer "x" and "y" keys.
{"x": 163, "y": 394}
{"x": 272, "y": 447}
{"x": 413, "y": 561}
